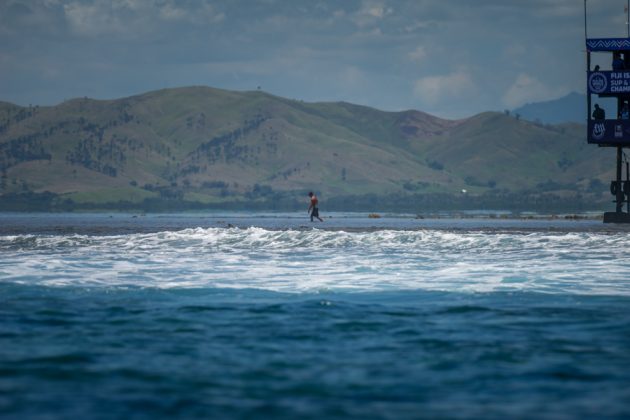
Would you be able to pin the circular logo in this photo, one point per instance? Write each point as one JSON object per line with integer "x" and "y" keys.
{"x": 597, "y": 82}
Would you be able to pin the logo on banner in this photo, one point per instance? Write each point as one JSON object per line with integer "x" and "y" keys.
{"x": 618, "y": 131}
{"x": 597, "y": 82}
{"x": 599, "y": 130}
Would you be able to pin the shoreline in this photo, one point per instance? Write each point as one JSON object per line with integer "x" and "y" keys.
{"x": 109, "y": 224}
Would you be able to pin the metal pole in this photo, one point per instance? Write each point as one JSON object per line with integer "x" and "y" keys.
{"x": 585, "y": 32}
{"x": 627, "y": 181}
{"x": 588, "y": 95}
{"x": 619, "y": 195}
{"x": 588, "y": 68}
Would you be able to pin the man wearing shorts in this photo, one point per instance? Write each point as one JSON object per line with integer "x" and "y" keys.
{"x": 313, "y": 209}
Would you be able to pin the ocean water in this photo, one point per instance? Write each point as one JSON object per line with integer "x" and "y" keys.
{"x": 246, "y": 315}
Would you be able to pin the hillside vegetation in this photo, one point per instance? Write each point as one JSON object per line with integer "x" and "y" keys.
{"x": 205, "y": 147}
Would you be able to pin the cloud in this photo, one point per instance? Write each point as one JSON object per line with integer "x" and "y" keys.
{"x": 338, "y": 14}
{"x": 527, "y": 88}
{"x": 435, "y": 89}
{"x": 515, "y": 51}
{"x": 370, "y": 12}
{"x": 135, "y": 16}
{"x": 419, "y": 54}
{"x": 372, "y": 50}
{"x": 91, "y": 19}
{"x": 203, "y": 13}
{"x": 416, "y": 26}
{"x": 353, "y": 77}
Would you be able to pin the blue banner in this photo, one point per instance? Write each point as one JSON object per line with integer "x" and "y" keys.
{"x": 608, "y": 44}
{"x": 609, "y": 132}
{"x": 609, "y": 82}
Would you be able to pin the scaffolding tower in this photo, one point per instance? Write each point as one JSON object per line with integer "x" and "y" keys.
{"x": 609, "y": 125}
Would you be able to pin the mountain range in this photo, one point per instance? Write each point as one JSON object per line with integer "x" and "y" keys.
{"x": 569, "y": 108}
{"x": 206, "y": 147}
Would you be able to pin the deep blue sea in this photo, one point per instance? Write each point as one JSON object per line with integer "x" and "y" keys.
{"x": 266, "y": 315}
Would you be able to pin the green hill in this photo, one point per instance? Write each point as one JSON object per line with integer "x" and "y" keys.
{"x": 200, "y": 146}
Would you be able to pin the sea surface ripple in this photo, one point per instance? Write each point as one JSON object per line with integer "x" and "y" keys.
{"x": 171, "y": 318}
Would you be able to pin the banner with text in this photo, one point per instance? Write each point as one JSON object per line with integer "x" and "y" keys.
{"x": 609, "y": 82}
{"x": 609, "y": 132}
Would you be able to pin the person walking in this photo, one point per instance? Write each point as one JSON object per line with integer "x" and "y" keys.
{"x": 312, "y": 208}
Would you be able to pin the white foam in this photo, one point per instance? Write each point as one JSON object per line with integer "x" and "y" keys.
{"x": 313, "y": 260}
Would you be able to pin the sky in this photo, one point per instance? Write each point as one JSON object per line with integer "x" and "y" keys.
{"x": 450, "y": 58}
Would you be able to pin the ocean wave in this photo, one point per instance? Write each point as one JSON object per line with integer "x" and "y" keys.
{"x": 320, "y": 260}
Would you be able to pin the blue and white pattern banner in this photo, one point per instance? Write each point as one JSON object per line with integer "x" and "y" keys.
{"x": 608, "y": 44}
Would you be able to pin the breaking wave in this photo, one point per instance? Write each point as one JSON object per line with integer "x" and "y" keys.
{"x": 319, "y": 260}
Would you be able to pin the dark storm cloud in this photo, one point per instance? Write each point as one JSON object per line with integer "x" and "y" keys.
{"x": 452, "y": 58}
